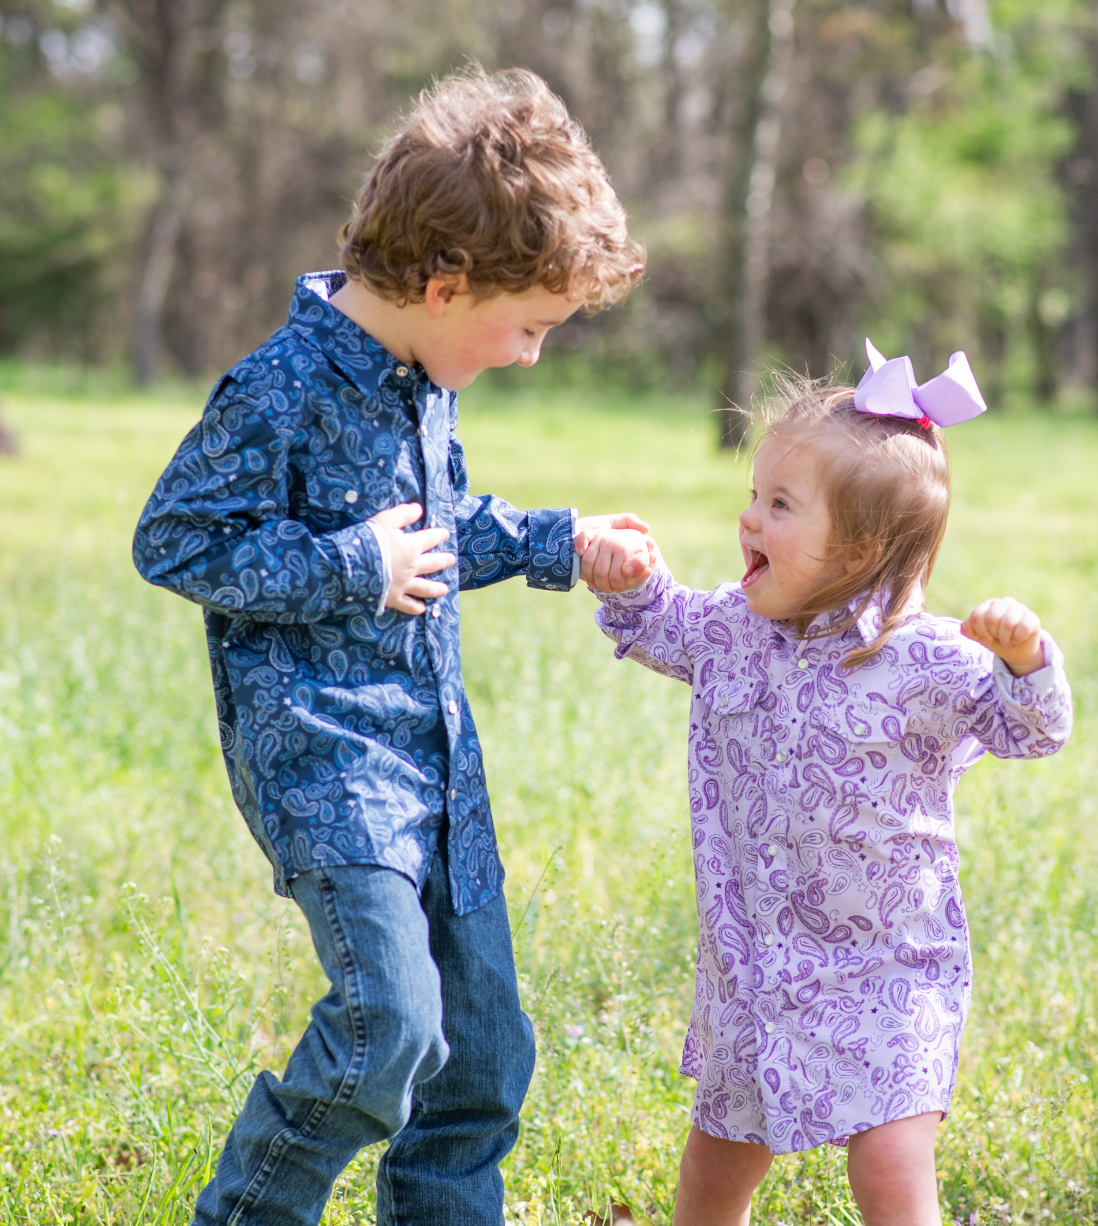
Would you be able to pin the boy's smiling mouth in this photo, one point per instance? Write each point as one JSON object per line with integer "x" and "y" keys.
{"x": 757, "y": 565}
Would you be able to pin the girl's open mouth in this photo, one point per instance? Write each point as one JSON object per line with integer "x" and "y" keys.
{"x": 757, "y": 565}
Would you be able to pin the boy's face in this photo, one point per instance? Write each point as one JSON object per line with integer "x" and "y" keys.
{"x": 467, "y": 334}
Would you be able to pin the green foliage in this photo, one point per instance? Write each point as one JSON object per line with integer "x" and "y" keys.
{"x": 969, "y": 213}
{"x": 134, "y": 1016}
{"x": 67, "y": 203}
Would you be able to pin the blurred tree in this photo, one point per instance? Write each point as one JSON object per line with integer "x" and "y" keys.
{"x": 67, "y": 191}
{"x": 921, "y": 169}
{"x": 174, "y": 43}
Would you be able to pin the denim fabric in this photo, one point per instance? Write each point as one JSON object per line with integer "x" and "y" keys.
{"x": 421, "y": 1036}
{"x": 346, "y": 731}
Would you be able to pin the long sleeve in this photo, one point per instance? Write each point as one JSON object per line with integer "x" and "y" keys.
{"x": 496, "y": 541}
{"x": 1015, "y": 717}
{"x": 218, "y": 527}
{"x": 651, "y": 624}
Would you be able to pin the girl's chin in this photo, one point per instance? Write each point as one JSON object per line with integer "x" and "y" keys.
{"x": 773, "y": 610}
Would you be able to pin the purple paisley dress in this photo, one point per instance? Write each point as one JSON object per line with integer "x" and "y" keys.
{"x": 834, "y": 971}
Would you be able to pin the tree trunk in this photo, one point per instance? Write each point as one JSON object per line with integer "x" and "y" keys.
{"x": 750, "y": 230}
{"x": 9, "y": 444}
{"x": 156, "y": 276}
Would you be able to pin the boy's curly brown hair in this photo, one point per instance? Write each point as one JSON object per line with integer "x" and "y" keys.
{"x": 490, "y": 177}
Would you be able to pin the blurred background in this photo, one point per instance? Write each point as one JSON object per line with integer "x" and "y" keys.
{"x": 802, "y": 172}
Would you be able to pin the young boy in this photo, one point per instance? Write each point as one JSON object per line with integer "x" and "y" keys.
{"x": 333, "y": 637}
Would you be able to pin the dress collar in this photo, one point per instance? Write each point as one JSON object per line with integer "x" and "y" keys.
{"x": 364, "y": 360}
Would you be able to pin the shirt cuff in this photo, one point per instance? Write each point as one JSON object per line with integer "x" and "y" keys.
{"x": 1035, "y": 686}
{"x": 367, "y": 571}
{"x": 554, "y": 563}
{"x": 386, "y": 551}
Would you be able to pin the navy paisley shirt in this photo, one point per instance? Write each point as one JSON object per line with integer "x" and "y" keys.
{"x": 347, "y": 734}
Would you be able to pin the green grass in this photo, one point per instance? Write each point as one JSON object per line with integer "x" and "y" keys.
{"x": 134, "y": 1015}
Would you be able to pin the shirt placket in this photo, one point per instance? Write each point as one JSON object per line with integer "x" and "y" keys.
{"x": 433, "y": 431}
{"x": 772, "y": 859}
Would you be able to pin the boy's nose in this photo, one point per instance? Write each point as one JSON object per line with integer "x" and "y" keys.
{"x": 529, "y": 356}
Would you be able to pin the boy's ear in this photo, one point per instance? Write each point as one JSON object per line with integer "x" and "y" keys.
{"x": 441, "y": 291}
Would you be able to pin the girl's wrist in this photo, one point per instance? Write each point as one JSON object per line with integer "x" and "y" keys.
{"x": 1032, "y": 662}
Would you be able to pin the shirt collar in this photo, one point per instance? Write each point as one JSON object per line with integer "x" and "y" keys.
{"x": 364, "y": 360}
{"x": 868, "y": 625}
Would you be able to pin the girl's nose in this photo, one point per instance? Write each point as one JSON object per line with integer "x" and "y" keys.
{"x": 748, "y": 519}
{"x": 529, "y": 356}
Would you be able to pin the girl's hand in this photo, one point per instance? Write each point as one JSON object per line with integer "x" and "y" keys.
{"x": 615, "y": 560}
{"x": 1011, "y": 630}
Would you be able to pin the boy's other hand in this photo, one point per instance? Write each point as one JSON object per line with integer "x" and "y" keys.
{"x": 411, "y": 558}
{"x": 615, "y": 560}
{"x": 1010, "y": 630}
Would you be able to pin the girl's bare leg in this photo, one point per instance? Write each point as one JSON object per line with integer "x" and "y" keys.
{"x": 716, "y": 1180}
{"x": 891, "y": 1172}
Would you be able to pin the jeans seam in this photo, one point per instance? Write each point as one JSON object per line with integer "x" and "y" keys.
{"x": 350, "y": 1079}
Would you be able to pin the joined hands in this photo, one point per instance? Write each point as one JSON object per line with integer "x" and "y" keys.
{"x": 616, "y": 552}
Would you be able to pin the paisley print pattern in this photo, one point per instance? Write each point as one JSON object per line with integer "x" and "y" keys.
{"x": 834, "y": 970}
{"x": 347, "y": 734}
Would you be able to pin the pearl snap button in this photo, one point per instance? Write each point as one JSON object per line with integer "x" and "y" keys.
{"x": 861, "y": 729}
{"x": 351, "y": 496}
{"x": 772, "y": 849}
{"x": 802, "y": 663}
{"x": 769, "y": 1028}
{"x": 780, "y": 756}
{"x": 436, "y": 612}
{"x": 453, "y": 793}
{"x": 768, "y": 939}
{"x": 401, "y": 372}
{"x": 423, "y": 429}
{"x": 452, "y": 707}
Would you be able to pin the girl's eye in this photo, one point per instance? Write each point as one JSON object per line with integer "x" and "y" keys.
{"x": 779, "y": 504}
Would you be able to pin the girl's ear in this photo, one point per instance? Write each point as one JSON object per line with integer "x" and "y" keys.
{"x": 864, "y": 556}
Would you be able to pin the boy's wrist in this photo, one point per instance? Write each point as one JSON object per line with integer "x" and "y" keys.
{"x": 552, "y": 552}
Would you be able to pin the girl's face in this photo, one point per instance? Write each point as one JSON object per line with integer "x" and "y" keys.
{"x": 785, "y": 533}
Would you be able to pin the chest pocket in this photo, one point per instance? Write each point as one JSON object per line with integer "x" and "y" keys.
{"x": 730, "y": 696}
{"x": 342, "y": 494}
{"x": 866, "y": 727}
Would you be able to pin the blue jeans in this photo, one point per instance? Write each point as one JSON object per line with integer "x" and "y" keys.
{"x": 421, "y": 1039}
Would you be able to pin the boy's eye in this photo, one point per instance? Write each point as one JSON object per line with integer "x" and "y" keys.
{"x": 528, "y": 333}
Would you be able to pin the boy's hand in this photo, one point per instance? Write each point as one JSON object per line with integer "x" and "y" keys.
{"x": 411, "y": 558}
{"x": 588, "y": 525}
{"x": 1011, "y": 630}
{"x": 615, "y": 560}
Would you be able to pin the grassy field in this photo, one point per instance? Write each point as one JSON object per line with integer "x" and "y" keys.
{"x": 147, "y": 970}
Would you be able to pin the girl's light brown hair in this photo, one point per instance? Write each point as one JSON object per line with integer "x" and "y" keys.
{"x": 490, "y": 177}
{"x": 887, "y": 487}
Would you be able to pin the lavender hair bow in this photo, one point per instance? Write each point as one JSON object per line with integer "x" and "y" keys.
{"x": 888, "y": 389}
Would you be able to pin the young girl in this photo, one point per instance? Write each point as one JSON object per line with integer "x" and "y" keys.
{"x": 830, "y": 721}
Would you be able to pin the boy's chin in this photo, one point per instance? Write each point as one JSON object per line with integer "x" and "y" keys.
{"x": 451, "y": 380}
